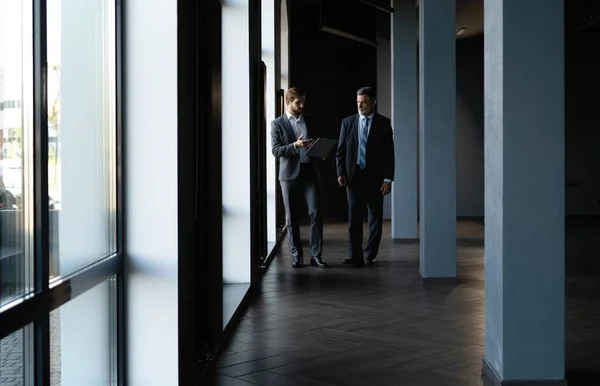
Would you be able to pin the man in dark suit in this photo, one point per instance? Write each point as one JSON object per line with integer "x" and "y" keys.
{"x": 291, "y": 136}
{"x": 365, "y": 166}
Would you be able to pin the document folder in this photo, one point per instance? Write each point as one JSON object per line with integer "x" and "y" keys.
{"x": 321, "y": 147}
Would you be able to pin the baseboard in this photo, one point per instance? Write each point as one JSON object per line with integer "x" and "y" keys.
{"x": 449, "y": 281}
{"x": 406, "y": 240}
{"x": 274, "y": 252}
{"x": 491, "y": 373}
{"x": 228, "y": 332}
{"x": 452, "y": 280}
{"x": 231, "y": 327}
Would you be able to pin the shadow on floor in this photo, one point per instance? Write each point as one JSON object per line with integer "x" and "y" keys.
{"x": 383, "y": 326}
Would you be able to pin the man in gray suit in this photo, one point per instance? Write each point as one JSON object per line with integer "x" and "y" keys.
{"x": 291, "y": 136}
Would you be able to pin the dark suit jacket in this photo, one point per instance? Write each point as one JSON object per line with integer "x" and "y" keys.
{"x": 380, "y": 149}
{"x": 282, "y": 145}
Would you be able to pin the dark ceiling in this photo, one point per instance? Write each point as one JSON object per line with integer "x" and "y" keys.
{"x": 469, "y": 15}
{"x": 581, "y": 16}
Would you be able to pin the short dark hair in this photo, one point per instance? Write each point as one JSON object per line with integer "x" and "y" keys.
{"x": 294, "y": 93}
{"x": 368, "y": 91}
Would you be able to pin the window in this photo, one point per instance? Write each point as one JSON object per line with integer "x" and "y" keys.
{"x": 60, "y": 259}
{"x": 81, "y": 132}
{"x": 16, "y": 358}
{"x": 82, "y": 339}
{"x": 236, "y": 181}
{"x": 16, "y": 238}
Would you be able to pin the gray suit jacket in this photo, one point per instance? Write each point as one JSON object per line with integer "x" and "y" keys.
{"x": 282, "y": 145}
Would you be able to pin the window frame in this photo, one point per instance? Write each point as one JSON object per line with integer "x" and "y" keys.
{"x": 34, "y": 308}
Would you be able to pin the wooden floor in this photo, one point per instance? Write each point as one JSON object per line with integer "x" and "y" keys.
{"x": 382, "y": 326}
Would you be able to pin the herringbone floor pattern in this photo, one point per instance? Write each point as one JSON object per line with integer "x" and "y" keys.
{"x": 383, "y": 326}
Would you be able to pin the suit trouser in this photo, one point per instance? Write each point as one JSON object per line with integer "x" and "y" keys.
{"x": 362, "y": 191}
{"x": 304, "y": 188}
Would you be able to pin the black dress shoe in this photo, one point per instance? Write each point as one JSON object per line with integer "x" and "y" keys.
{"x": 354, "y": 262}
{"x": 370, "y": 261}
{"x": 297, "y": 263}
{"x": 318, "y": 262}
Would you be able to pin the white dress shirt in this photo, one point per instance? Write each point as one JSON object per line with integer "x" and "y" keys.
{"x": 300, "y": 129}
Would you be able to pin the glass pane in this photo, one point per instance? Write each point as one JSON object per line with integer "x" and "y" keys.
{"x": 81, "y": 130}
{"x": 82, "y": 339}
{"x": 16, "y": 358}
{"x": 16, "y": 87}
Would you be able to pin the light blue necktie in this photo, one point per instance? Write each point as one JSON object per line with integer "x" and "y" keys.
{"x": 362, "y": 154}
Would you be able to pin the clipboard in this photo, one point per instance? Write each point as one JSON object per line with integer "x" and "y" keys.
{"x": 321, "y": 147}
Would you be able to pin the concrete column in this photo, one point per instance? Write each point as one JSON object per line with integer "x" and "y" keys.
{"x": 404, "y": 118}
{"x": 384, "y": 85}
{"x": 524, "y": 191}
{"x": 437, "y": 82}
